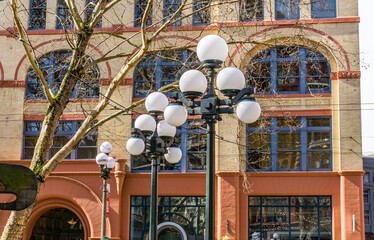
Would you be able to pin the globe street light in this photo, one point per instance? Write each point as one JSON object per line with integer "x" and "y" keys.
{"x": 106, "y": 164}
{"x": 154, "y": 137}
{"x": 212, "y": 51}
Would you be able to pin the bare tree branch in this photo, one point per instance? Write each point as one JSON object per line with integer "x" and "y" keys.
{"x": 32, "y": 60}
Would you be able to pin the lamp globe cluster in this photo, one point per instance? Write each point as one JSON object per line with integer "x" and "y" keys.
{"x": 230, "y": 81}
{"x": 102, "y": 159}
{"x": 156, "y": 104}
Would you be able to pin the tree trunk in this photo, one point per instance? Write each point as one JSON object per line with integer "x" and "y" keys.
{"x": 17, "y": 221}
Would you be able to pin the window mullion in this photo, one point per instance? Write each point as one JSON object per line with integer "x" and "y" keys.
{"x": 302, "y": 70}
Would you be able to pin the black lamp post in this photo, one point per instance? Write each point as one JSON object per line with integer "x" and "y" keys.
{"x": 106, "y": 165}
{"x": 154, "y": 138}
{"x": 212, "y": 51}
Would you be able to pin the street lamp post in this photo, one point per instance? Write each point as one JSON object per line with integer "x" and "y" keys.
{"x": 155, "y": 137}
{"x": 212, "y": 50}
{"x": 106, "y": 164}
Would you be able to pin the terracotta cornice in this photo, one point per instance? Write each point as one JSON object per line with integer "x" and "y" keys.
{"x": 12, "y": 83}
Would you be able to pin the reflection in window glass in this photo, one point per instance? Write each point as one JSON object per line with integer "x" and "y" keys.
{"x": 300, "y": 217}
{"x": 302, "y": 143}
{"x": 170, "y": 7}
{"x": 251, "y": 10}
{"x": 186, "y": 211}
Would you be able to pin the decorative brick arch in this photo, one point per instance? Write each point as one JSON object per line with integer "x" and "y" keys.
{"x": 323, "y": 34}
{"x": 60, "y": 40}
{"x": 73, "y": 195}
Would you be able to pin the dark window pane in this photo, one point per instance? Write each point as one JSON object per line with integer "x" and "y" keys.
{"x": 318, "y": 122}
{"x": 37, "y": 14}
{"x": 304, "y": 222}
{"x": 86, "y": 153}
{"x": 30, "y": 141}
{"x": 319, "y": 140}
{"x": 170, "y": 7}
{"x": 366, "y": 195}
{"x": 258, "y": 160}
{"x": 258, "y": 74}
{"x": 90, "y": 6}
{"x": 140, "y": 6}
{"x": 254, "y": 215}
{"x": 28, "y": 153}
{"x": 196, "y": 161}
{"x": 60, "y": 141}
{"x": 325, "y": 221}
{"x": 251, "y": 10}
{"x": 258, "y": 141}
{"x": 311, "y": 201}
{"x": 323, "y": 8}
{"x": 201, "y": 17}
{"x": 275, "y": 220}
{"x": 275, "y": 201}
{"x": 90, "y": 140}
{"x": 289, "y": 123}
{"x": 64, "y": 18}
{"x": 286, "y": 9}
{"x": 288, "y": 140}
{"x": 319, "y": 159}
{"x": 288, "y": 160}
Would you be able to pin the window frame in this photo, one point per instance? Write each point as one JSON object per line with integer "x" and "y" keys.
{"x": 273, "y": 151}
{"x": 171, "y": 5}
{"x": 200, "y": 202}
{"x": 302, "y": 61}
{"x": 32, "y": 15}
{"x": 138, "y": 13}
{"x": 314, "y": 11}
{"x": 242, "y": 19}
{"x": 278, "y": 3}
{"x": 196, "y": 21}
{"x": 74, "y": 153}
{"x": 60, "y": 8}
{"x": 289, "y": 205}
{"x": 51, "y": 65}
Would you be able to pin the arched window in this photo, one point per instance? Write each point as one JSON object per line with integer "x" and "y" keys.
{"x": 289, "y": 69}
{"x": 58, "y": 223}
{"x": 155, "y": 71}
{"x": 54, "y": 66}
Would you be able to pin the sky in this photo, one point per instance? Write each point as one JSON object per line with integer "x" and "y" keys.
{"x": 367, "y": 74}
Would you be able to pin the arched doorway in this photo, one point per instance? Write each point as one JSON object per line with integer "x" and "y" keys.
{"x": 58, "y": 224}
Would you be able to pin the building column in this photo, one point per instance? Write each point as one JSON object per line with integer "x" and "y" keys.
{"x": 351, "y": 201}
{"x": 227, "y": 208}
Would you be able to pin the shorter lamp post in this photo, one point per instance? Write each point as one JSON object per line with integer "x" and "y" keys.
{"x": 106, "y": 164}
{"x": 199, "y": 95}
{"x": 154, "y": 137}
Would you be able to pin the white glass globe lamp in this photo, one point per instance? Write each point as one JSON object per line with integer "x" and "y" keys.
{"x": 193, "y": 84}
{"x": 146, "y": 123}
{"x": 135, "y": 145}
{"x": 164, "y": 129}
{"x": 212, "y": 48}
{"x": 248, "y": 110}
{"x": 156, "y": 102}
{"x": 111, "y": 163}
{"x": 174, "y": 155}
{"x": 106, "y": 147}
{"x": 175, "y": 114}
{"x": 102, "y": 159}
{"x": 230, "y": 81}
